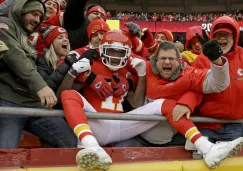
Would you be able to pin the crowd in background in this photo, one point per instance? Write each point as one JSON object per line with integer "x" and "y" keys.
{"x": 174, "y": 17}
{"x": 47, "y": 53}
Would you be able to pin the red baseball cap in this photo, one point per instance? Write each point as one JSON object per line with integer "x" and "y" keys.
{"x": 223, "y": 27}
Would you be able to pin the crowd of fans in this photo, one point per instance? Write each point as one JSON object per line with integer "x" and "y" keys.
{"x": 50, "y": 58}
{"x": 173, "y": 17}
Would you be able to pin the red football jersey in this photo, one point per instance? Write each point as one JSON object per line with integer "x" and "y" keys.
{"x": 112, "y": 103}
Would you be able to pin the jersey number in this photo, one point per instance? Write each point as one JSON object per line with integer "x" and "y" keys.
{"x": 109, "y": 103}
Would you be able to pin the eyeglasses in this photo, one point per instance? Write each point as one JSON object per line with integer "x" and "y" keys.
{"x": 171, "y": 59}
{"x": 222, "y": 34}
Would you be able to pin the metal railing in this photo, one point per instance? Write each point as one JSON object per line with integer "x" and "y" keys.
{"x": 59, "y": 113}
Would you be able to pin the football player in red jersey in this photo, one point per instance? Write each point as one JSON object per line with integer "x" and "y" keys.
{"x": 121, "y": 67}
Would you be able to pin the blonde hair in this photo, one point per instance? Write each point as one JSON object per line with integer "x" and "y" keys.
{"x": 51, "y": 57}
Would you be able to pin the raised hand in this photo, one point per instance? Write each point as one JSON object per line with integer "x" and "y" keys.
{"x": 139, "y": 65}
{"x": 134, "y": 29}
{"x": 211, "y": 48}
{"x": 203, "y": 39}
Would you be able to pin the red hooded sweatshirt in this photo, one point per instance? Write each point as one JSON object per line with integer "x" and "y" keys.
{"x": 189, "y": 54}
{"x": 226, "y": 104}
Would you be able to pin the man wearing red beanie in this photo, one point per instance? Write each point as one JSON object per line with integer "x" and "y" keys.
{"x": 164, "y": 35}
{"x": 96, "y": 30}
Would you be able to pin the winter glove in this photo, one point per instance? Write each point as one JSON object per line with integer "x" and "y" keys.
{"x": 90, "y": 54}
{"x": 139, "y": 65}
{"x": 70, "y": 59}
{"x": 121, "y": 86}
{"x": 81, "y": 66}
{"x": 134, "y": 29}
{"x": 100, "y": 85}
{"x": 148, "y": 40}
{"x": 211, "y": 48}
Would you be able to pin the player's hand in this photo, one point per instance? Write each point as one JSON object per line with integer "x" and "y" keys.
{"x": 134, "y": 29}
{"x": 47, "y": 97}
{"x": 100, "y": 85}
{"x": 179, "y": 111}
{"x": 211, "y": 48}
{"x": 139, "y": 65}
{"x": 120, "y": 87}
{"x": 81, "y": 66}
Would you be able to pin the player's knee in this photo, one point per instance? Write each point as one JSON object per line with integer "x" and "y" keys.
{"x": 70, "y": 96}
{"x": 168, "y": 106}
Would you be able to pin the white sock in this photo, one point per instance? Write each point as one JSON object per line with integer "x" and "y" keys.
{"x": 203, "y": 145}
{"x": 89, "y": 141}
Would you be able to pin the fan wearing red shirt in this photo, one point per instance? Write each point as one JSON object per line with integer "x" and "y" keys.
{"x": 168, "y": 78}
{"x": 225, "y": 104}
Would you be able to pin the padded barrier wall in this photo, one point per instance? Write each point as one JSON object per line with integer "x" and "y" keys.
{"x": 235, "y": 164}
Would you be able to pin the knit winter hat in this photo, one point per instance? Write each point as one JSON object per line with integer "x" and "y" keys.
{"x": 97, "y": 9}
{"x": 32, "y": 5}
{"x": 97, "y": 25}
{"x": 50, "y": 33}
{"x": 167, "y": 33}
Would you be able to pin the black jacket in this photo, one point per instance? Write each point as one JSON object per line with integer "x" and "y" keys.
{"x": 53, "y": 78}
{"x": 76, "y": 22}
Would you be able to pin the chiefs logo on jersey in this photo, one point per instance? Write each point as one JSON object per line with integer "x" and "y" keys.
{"x": 240, "y": 72}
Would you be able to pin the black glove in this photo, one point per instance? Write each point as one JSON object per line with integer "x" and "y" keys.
{"x": 134, "y": 29}
{"x": 211, "y": 48}
{"x": 70, "y": 59}
{"x": 90, "y": 55}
